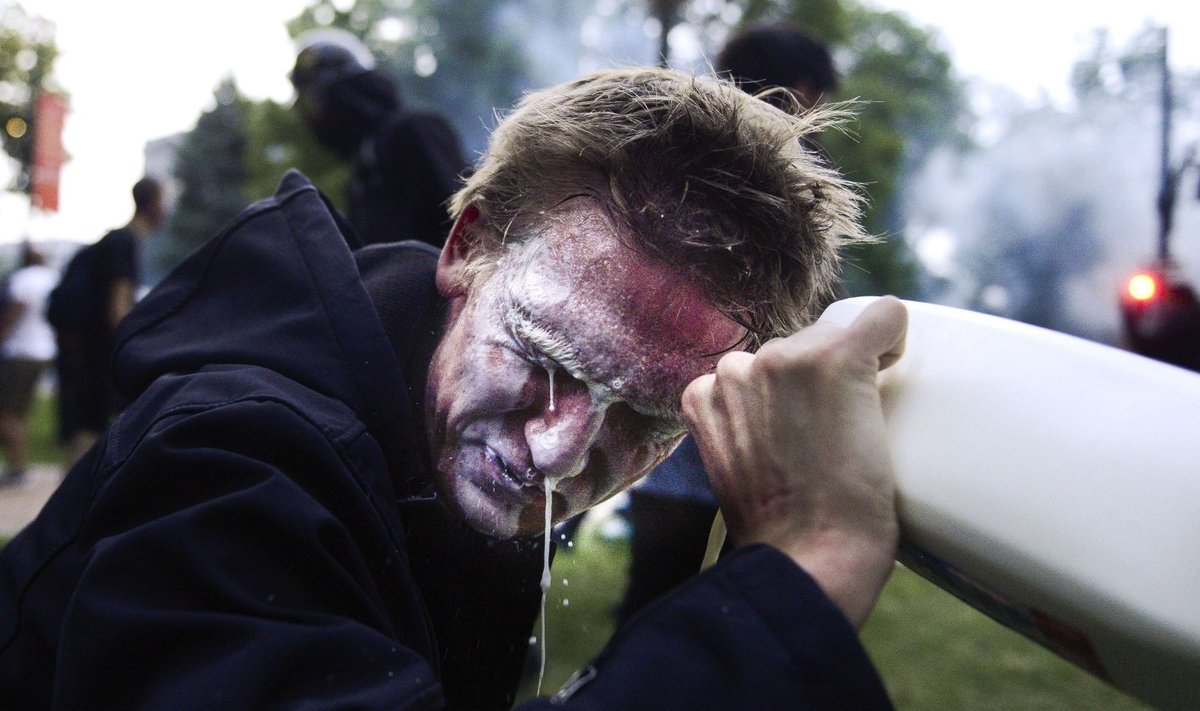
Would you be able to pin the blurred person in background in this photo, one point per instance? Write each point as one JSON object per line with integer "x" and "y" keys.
{"x": 671, "y": 511}
{"x": 764, "y": 57}
{"x": 28, "y": 349}
{"x": 98, "y": 289}
{"x": 405, "y": 163}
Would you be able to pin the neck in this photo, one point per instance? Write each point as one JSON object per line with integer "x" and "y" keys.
{"x": 142, "y": 226}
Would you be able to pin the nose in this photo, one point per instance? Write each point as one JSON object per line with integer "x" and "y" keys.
{"x": 560, "y": 439}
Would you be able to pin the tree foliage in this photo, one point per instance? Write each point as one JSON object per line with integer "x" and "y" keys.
{"x": 211, "y": 174}
{"x": 472, "y": 58}
{"x": 27, "y": 54}
{"x": 278, "y": 141}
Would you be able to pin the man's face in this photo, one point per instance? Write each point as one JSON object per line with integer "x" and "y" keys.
{"x": 565, "y": 363}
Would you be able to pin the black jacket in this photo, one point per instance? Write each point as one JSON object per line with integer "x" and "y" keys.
{"x": 403, "y": 177}
{"x": 256, "y": 530}
{"x": 405, "y": 163}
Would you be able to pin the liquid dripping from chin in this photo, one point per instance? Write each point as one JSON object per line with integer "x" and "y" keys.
{"x": 546, "y": 561}
{"x": 550, "y": 373}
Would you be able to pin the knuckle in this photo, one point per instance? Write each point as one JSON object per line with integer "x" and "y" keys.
{"x": 731, "y": 366}
{"x": 775, "y": 357}
{"x": 696, "y": 397}
{"x": 819, "y": 353}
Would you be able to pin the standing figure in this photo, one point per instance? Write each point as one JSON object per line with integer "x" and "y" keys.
{"x": 98, "y": 288}
{"x": 28, "y": 348}
{"x": 405, "y": 164}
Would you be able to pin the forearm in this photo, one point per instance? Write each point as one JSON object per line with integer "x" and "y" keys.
{"x": 850, "y": 570}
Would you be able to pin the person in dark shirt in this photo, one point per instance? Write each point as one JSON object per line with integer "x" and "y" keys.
{"x": 87, "y": 398}
{"x": 405, "y": 163}
{"x": 332, "y": 486}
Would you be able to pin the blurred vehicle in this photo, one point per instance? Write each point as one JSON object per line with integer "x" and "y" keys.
{"x": 1160, "y": 314}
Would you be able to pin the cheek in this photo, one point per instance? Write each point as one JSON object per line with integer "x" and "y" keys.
{"x": 489, "y": 392}
{"x": 620, "y": 471}
{"x": 631, "y": 454}
{"x": 651, "y": 454}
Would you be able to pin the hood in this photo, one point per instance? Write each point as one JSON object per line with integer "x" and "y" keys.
{"x": 353, "y": 109}
{"x": 278, "y": 289}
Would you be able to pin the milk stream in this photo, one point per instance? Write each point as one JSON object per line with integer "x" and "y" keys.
{"x": 545, "y": 574}
{"x": 546, "y": 551}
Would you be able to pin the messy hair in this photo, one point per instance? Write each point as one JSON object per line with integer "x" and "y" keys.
{"x": 692, "y": 171}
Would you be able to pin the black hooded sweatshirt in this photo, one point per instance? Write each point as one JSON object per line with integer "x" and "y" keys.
{"x": 257, "y": 529}
{"x": 405, "y": 163}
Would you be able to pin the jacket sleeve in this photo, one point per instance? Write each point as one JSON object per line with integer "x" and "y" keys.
{"x": 752, "y": 632}
{"x": 227, "y": 577}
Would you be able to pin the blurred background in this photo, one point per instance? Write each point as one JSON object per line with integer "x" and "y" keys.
{"x": 1024, "y": 159}
{"x": 1014, "y": 157}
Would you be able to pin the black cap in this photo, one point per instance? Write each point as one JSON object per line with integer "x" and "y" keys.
{"x": 327, "y": 57}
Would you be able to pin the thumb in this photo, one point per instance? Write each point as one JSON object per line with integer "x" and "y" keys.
{"x": 881, "y": 330}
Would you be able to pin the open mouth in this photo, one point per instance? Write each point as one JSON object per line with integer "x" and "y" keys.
{"x": 527, "y": 478}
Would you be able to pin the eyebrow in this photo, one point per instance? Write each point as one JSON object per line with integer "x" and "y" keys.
{"x": 560, "y": 350}
{"x": 550, "y": 343}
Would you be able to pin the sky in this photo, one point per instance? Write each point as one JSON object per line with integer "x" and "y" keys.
{"x": 137, "y": 70}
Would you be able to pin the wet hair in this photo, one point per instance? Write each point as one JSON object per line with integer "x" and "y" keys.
{"x": 693, "y": 172}
{"x": 147, "y": 193}
{"x": 762, "y": 57}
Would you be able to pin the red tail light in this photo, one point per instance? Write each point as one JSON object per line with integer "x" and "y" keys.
{"x": 1143, "y": 286}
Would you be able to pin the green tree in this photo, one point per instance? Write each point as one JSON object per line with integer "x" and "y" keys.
{"x": 211, "y": 172}
{"x": 278, "y": 141}
{"x": 27, "y": 54}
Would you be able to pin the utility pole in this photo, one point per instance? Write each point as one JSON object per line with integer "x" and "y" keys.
{"x": 1169, "y": 178}
{"x": 667, "y": 14}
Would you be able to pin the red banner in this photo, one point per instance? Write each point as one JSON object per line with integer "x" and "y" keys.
{"x": 49, "y": 115}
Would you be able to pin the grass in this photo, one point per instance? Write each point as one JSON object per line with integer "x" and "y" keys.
{"x": 933, "y": 651}
{"x": 42, "y": 431}
{"x": 42, "y": 428}
{"x": 579, "y": 616}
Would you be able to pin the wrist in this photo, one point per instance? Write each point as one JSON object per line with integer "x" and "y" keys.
{"x": 850, "y": 570}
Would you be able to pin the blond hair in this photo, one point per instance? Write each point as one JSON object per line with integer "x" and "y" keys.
{"x": 697, "y": 172}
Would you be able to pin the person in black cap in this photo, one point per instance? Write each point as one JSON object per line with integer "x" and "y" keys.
{"x": 405, "y": 164}
{"x": 769, "y": 56}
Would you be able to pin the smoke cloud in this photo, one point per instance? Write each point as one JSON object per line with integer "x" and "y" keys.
{"x": 1045, "y": 220}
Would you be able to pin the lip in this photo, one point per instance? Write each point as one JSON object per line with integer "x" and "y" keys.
{"x": 525, "y": 480}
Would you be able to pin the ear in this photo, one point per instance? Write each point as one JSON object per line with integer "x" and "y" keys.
{"x": 452, "y": 278}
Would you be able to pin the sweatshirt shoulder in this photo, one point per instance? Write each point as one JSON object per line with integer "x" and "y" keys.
{"x": 280, "y": 406}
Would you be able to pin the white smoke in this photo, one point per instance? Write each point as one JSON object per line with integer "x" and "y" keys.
{"x": 1063, "y": 196}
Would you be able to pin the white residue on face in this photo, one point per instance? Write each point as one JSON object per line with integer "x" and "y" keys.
{"x": 628, "y": 334}
{"x": 533, "y": 290}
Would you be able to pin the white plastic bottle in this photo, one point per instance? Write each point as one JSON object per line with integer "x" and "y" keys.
{"x": 1054, "y": 484}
